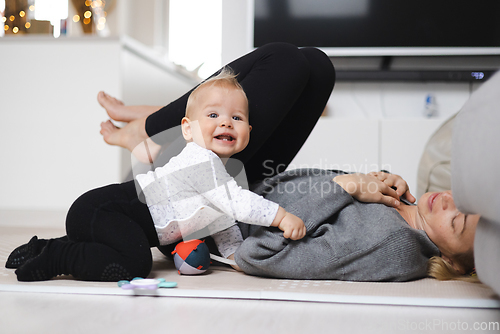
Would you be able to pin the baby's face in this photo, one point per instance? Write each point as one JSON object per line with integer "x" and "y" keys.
{"x": 222, "y": 117}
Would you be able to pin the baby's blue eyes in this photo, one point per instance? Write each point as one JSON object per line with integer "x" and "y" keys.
{"x": 214, "y": 115}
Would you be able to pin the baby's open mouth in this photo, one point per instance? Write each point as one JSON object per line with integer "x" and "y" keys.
{"x": 225, "y": 137}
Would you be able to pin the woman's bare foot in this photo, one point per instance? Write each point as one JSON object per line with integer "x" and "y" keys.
{"x": 111, "y": 133}
{"x": 114, "y": 107}
{"x": 133, "y": 137}
{"x": 118, "y": 111}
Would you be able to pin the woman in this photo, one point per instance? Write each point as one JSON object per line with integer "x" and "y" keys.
{"x": 351, "y": 236}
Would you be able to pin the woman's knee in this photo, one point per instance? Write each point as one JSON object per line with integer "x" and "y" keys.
{"x": 321, "y": 65}
{"x": 285, "y": 54}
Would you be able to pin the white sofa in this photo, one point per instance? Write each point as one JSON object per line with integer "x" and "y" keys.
{"x": 475, "y": 175}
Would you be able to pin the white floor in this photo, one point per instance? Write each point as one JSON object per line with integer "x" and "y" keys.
{"x": 60, "y": 313}
{"x": 30, "y": 312}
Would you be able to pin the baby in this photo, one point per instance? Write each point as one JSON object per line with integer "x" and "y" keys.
{"x": 193, "y": 192}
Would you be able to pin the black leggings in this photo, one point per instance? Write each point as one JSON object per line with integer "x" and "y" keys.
{"x": 110, "y": 231}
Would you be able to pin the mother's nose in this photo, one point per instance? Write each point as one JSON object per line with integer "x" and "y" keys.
{"x": 447, "y": 199}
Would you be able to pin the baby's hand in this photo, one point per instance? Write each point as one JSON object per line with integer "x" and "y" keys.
{"x": 292, "y": 226}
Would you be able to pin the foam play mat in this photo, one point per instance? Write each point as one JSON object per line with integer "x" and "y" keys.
{"x": 224, "y": 282}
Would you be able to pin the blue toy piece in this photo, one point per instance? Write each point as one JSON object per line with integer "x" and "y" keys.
{"x": 191, "y": 257}
{"x": 146, "y": 283}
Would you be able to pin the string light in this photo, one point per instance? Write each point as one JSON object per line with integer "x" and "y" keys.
{"x": 12, "y": 18}
{"x": 4, "y": 19}
{"x": 76, "y": 18}
{"x": 22, "y": 13}
{"x": 5, "y": 27}
{"x": 87, "y": 14}
{"x": 27, "y": 25}
{"x": 32, "y": 8}
{"x": 88, "y": 3}
{"x": 15, "y": 30}
{"x": 86, "y": 20}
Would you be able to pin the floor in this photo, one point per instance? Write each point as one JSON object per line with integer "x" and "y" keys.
{"x": 37, "y": 312}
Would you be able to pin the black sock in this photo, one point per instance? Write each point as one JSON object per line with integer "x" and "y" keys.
{"x": 37, "y": 268}
{"x": 23, "y": 253}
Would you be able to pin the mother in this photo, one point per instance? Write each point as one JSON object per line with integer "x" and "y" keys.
{"x": 348, "y": 239}
{"x": 351, "y": 234}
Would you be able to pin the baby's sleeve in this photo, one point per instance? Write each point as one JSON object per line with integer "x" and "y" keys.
{"x": 228, "y": 240}
{"x": 238, "y": 203}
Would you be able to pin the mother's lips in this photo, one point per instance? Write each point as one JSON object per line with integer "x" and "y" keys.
{"x": 432, "y": 199}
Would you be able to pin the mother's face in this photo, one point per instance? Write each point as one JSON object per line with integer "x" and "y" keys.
{"x": 452, "y": 231}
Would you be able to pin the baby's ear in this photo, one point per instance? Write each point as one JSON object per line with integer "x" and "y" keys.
{"x": 187, "y": 131}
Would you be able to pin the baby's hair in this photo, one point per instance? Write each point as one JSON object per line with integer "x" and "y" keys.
{"x": 225, "y": 79}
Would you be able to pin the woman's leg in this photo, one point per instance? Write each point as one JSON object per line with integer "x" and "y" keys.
{"x": 287, "y": 89}
{"x": 281, "y": 146}
{"x": 278, "y": 79}
{"x": 272, "y": 76}
{"x": 110, "y": 233}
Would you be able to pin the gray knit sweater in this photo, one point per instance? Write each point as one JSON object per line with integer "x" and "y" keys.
{"x": 345, "y": 240}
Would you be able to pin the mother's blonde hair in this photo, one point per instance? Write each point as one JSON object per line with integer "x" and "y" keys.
{"x": 442, "y": 270}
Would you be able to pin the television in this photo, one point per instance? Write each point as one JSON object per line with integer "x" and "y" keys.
{"x": 382, "y": 27}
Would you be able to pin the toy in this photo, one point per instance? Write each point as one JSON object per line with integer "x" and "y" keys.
{"x": 191, "y": 257}
{"x": 146, "y": 283}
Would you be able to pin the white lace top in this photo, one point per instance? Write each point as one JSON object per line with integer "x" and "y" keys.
{"x": 193, "y": 195}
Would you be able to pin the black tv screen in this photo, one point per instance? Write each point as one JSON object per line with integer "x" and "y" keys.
{"x": 380, "y": 24}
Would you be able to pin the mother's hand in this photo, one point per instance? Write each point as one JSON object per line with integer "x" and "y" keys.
{"x": 375, "y": 187}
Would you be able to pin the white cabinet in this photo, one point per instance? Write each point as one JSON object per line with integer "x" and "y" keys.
{"x": 350, "y": 145}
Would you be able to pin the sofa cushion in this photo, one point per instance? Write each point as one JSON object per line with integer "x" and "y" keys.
{"x": 434, "y": 168}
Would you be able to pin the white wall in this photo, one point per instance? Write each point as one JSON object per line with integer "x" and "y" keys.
{"x": 50, "y": 146}
{"x": 51, "y": 149}
{"x": 237, "y": 24}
